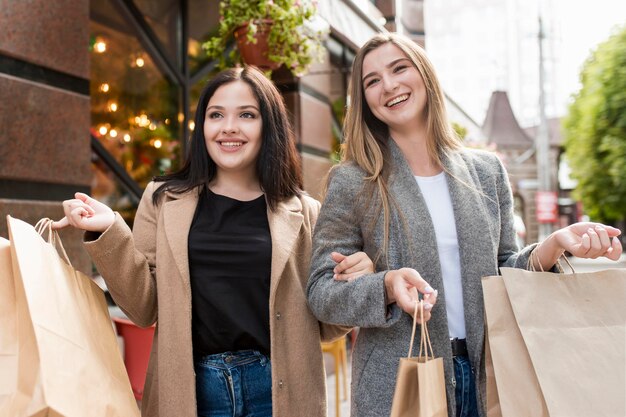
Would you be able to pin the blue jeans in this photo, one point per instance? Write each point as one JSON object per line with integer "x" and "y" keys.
{"x": 234, "y": 384}
{"x": 465, "y": 389}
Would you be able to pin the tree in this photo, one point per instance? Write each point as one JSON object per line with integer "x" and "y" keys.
{"x": 595, "y": 131}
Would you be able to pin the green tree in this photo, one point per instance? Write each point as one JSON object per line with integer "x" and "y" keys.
{"x": 595, "y": 131}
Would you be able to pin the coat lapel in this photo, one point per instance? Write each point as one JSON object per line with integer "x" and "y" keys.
{"x": 177, "y": 216}
{"x": 420, "y": 247}
{"x": 474, "y": 232}
{"x": 285, "y": 223}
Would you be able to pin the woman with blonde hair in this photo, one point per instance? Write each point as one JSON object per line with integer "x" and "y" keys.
{"x": 435, "y": 217}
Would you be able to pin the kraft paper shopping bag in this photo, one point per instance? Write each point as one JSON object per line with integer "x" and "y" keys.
{"x": 8, "y": 327}
{"x": 574, "y": 329}
{"x": 512, "y": 387}
{"x": 69, "y": 361}
{"x": 420, "y": 383}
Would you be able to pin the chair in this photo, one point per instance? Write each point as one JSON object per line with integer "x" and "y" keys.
{"x": 337, "y": 349}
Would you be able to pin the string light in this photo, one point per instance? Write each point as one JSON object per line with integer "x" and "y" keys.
{"x": 113, "y": 133}
{"x": 126, "y": 138}
{"x": 103, "y": 130}
{"x": 192, "y": 125}
{"x": 142, "y": 120}
{"x": 104, "y": 87}
{"x": 113, "y": 106}
{"x": 157, "y": 143}
{"x": 139, "y": 62}
{"x": 152, "y": 126}
{"x": 100, "y": 46}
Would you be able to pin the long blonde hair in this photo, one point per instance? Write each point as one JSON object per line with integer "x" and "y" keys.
{"x": 366, "y": 136}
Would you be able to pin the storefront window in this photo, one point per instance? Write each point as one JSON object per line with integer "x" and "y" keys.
{"x": 163, "y": 17}
{"x": 203, "y": 24}
{"x": 135, "y": 109}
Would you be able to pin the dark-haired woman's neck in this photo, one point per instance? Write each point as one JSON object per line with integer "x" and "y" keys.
{"x": 238, "y": 186}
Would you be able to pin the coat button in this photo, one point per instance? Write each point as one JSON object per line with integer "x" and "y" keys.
{"x": 280, "y": 384}
{"x": 278, "y": 316}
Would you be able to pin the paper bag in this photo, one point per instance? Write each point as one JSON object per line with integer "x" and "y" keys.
{"x": 512, "y": 386}
{"x": 420, "y": 383}
{"x": 558, "y": 342}
{"x": 493, "y": 400}
{"x": 8, "y": 327}
{"x": 69, "y": 361}
{"x": 574, "y": 327}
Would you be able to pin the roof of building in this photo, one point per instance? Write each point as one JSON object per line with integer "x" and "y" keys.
{"x": 501, "y": 126}
{"x": 554, "y": 131}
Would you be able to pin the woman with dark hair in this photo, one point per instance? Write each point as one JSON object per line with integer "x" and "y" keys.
{"x": 435, "y": 216}
{"x": 219, "y": 258}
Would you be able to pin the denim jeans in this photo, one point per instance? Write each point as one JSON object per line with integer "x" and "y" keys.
{"x": 234, "y": 384}
{"x": 465, "y": 389}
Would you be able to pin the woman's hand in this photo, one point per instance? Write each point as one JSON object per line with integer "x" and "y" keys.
{"x": 402, "y": 287}
{"x": 83, "y": 212}
{"x": 584, "y": 240}
{"x": 351, "y": 267}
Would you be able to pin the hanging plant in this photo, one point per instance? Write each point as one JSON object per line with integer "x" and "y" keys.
{"x": 291, "y": 29}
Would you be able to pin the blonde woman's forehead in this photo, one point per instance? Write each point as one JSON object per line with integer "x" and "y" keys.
{"x": 381, "y": 57}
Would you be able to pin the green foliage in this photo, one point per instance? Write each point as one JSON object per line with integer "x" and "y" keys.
{"x": 460, "y": 130}
{"x": 595, "y": 131}
{"x": 292, "y": 39}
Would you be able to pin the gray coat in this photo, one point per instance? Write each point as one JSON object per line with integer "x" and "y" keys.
{"x": 483, "y": 211}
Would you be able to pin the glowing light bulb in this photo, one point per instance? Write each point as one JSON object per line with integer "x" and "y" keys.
{"x": 157, "y": 143}
{"x": 126, "y": 138}
{"x": 103, "y": 130}
{"x": 113, "y": 107}
{"x": 113, "y": 133}
{"x": 100, "y": 46}
{"x": 140, "y": 62}
{"x": 192, "y": 125}
{"x": 104, "y": 87}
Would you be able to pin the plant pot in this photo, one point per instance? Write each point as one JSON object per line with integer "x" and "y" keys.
{"x": 256, "y": 53}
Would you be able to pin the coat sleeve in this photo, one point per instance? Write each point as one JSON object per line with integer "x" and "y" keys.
{"x": 360, "y": 302}
{"x": 328, "y": 332}
{"x": 127, "y": 261}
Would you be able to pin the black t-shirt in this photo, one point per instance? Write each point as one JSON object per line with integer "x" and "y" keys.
{"x": 230, "y": 253}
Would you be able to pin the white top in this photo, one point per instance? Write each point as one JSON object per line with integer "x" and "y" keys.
{"x": 437, "y": 196}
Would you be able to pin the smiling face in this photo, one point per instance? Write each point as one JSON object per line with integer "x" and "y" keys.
{"x": 233, "y": 128}
{"x": 394, "y": 89}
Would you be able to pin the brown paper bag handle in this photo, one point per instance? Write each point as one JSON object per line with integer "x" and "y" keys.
{"x": 425, "y": 344}
{"x": 558, "y": 263}
{"x": 45, "y": 225}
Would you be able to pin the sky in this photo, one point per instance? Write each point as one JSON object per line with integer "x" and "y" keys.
{"x": 583, "y": 25}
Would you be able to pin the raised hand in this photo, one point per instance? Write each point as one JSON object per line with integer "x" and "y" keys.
{"x": 86, "y": 213}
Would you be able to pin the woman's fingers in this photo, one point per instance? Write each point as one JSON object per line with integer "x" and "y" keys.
{"x": 402, "y": 286}
{"x": 615, "y": 252}
{"x": 591, "y": 240}
{"x": 83, "y": 212}
{"x": 353, "y": 266}
{"x": 64, "y": 222}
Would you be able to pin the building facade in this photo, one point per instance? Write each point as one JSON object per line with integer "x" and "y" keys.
{"x": 100, "y": 96}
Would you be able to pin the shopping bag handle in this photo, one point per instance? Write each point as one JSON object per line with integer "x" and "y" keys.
{"x": 558, "y": 263}
{"x": 425, "y": 344}
{"x": 45, "y": 225}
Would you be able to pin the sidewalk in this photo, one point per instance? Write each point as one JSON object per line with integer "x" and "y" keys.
{"x": 590, "y": 265}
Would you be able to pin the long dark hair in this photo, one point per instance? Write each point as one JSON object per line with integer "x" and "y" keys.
{"x": 278, "y": 165}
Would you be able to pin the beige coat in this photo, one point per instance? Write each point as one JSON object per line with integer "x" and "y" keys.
{"x": 147, "y": 273}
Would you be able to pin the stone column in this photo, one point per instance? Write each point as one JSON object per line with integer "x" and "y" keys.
{"x": 45, "y": 153}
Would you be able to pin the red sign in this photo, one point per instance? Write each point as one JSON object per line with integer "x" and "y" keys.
{"x": 546, "y": 203}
